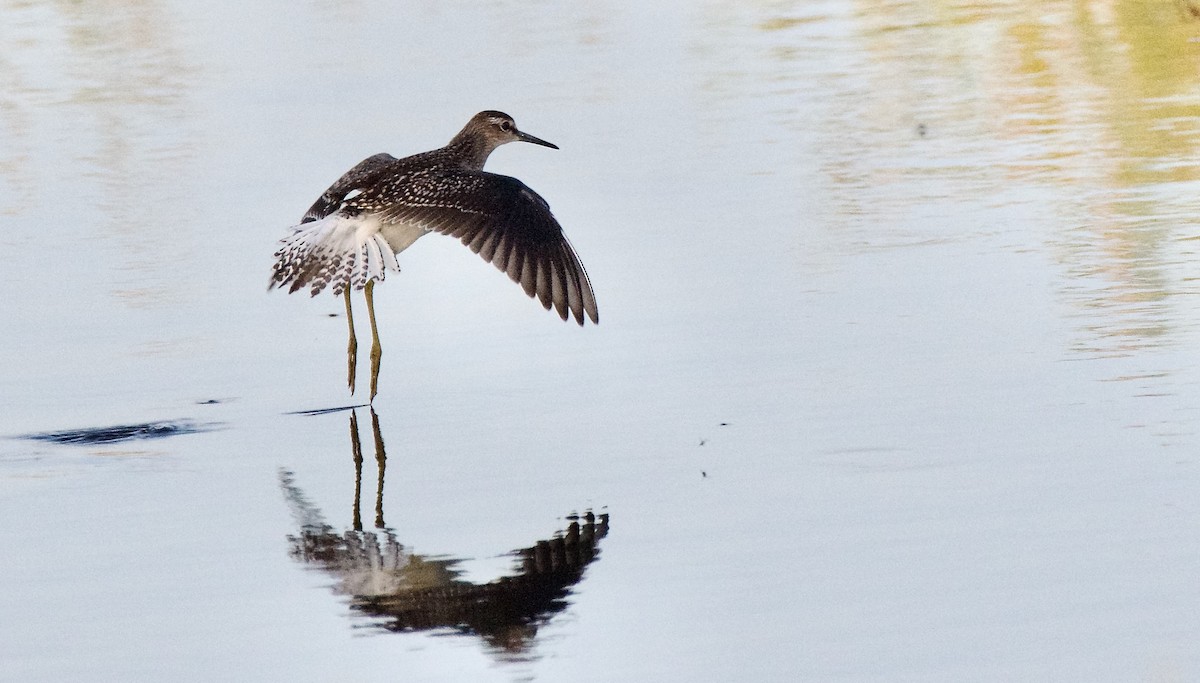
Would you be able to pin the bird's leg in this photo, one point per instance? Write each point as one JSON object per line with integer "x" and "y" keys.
{"x": 376, "y": 350}
{"x": 352, "y": 348}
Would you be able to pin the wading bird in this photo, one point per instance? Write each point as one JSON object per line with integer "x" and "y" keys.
{"x": 349, "y": 238}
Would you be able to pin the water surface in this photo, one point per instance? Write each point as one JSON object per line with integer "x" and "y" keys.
{"x": 896, "y": 378}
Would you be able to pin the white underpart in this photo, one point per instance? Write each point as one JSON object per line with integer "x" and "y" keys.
{"x": 400, "y": 236}
{"x": 349, "y": 251}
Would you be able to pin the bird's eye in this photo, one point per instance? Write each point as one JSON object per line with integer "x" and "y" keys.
{"x": 506, "y": 126}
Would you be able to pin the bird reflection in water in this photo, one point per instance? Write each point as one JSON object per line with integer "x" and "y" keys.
{"x": 407, "y": 592}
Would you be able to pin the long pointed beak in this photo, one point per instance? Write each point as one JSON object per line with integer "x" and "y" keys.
{"x": 526, "y": 137}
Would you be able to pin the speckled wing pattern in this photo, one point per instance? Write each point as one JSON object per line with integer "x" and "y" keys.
{"x": 364, "y": 174}
{"x": 497, "y": 217}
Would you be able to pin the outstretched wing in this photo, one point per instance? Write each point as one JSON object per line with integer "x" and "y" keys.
{"x": 497, "y": 217}
{"x": 364, "y": 174}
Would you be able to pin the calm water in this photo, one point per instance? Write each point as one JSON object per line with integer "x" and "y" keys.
{"x": 897, "y": 377}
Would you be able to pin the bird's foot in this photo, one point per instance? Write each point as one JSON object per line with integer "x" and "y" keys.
{"x": 351, "y": 363}
{"x": 376, "y": 355}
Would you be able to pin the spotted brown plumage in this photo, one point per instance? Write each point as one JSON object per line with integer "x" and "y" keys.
{"x": 348, "y": 239}
{"x": 377, "y": 209}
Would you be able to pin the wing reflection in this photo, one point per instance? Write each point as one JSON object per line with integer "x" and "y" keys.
{"x": 410, "y": 592}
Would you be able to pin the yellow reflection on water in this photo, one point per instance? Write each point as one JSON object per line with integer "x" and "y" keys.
{"x": 935, "y": 119}
{"x": 1120, "y": 73}
{"x": 1107, "y": 93}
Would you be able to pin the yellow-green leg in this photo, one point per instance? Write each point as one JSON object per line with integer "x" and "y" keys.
{"x": 376, "y": 349}
{"x": 352, "y": 348}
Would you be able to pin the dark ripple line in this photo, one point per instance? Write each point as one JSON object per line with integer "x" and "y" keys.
{"x": 326, "y": 411}
{"x": 119, "y": 433}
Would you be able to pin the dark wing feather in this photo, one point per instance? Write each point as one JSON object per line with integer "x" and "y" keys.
{"x": 500, "y": 219}
{"x": 364, "y": 174}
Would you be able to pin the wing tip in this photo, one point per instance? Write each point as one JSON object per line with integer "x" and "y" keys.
{"x": 591, "y": 314}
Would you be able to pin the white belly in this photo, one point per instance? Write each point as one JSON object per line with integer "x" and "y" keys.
{"x": 400, "y": 236}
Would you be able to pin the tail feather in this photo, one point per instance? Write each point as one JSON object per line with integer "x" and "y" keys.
{"x": 336, "y": 252}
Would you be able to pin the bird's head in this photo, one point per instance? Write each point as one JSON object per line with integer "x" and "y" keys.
{"x": 486, "y": 131}
{"x": 500, "y": 128}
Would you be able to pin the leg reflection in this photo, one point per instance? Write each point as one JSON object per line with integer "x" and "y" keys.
{"x": 381, "y": 461}
{"x": 356, "y": 452}
{"x": 381, "y": 469}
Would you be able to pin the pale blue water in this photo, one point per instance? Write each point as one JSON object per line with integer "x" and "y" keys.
{"x": 896, "y": 377}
